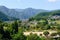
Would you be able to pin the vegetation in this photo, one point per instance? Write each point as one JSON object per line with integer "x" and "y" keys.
{"x": 46, "y": 33}
{"x": 47, "y": 15}
{"x": 5, "y": 17}
{"x": 40, "y": 27}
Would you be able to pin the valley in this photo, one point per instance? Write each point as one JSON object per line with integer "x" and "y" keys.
{"x": 27, "y": 24}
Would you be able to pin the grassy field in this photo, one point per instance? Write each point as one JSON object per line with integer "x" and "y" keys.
{"x": 57, "y": 21}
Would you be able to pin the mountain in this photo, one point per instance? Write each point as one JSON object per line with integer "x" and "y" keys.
{"x": 9, "y": 12}
{"x": 4, "y": 17}
{"x": 28, "y": 12}
{"x": 52, "y": 14}
{"x": 20, "y": 13}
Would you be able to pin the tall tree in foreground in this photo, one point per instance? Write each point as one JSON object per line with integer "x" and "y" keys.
{"x": 19, "y": 35}
{"x": 1, "y": 30}
{"x": 15, "y": 27}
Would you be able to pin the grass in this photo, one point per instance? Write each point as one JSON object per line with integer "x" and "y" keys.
{"x": 57, "y": 21}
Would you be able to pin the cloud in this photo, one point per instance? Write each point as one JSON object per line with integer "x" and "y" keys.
{"x": 52, "y": 0}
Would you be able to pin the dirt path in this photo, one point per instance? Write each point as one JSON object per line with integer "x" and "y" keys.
{"x": 38, "y": 33}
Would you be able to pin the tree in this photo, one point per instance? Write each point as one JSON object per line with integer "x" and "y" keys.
{"x": 19, "y": 35}
{"x": 53, "y": 34}
{"x": 0, "y": 36}
{"x": 6, "y": 35}
{"x": 43, "y": 38}
{"x": 58, "y": 27}
{"x": 47, "y": 27}
{"x": 58, "y": 32}
{"x": 33, "y": 37}
{"x": 31, "y": 19}
{"x": 1, "y": 21}
{"x": 46, "y": 33}
{"x": 15, "y": 27}
{"x": 1, "y": 31}
{"x": 1, "y": 28}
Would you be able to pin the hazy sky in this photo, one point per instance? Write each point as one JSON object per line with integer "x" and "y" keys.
{"x": 38, "y": 4}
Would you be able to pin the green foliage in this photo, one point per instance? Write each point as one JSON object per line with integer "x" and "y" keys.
{"x": 1, "y": 28}
{"x": 46, "y": 33}
{"x": 46, "y": 15}
{"x": 33, "y": 37}
{"x": 15, "y": 27}
{"x": 18, "y": 36}
{"x": 58, "y": 32}
{"x": 43, "y": 38}
{"x": 14, "y": 30}
{"x": 6, "y": 35}
{"x": 43, "y": 15}
{"x": 47, "y": 27}
{"x": 0, "y": 36}
{"x": 31, "y": 19}
{"x": 53, "y": 34}
{"x": 58, "y": 27}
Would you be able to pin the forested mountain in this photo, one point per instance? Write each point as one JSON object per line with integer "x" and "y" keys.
{"x": 51, "y": 14}
{"x": 20, "y": 13}
{"x": 4, "y": 17}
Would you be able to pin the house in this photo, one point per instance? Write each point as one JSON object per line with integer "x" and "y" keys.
{"x": 55, "y": 17}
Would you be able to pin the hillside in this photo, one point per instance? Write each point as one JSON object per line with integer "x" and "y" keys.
{"x": 4, "y": 17}
{"x": 21, "y": 13}
{"x": 46, "y": 15}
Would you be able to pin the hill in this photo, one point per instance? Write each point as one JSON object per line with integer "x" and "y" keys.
{"x": 46, "y": 15}
{"x": 4, "y": 17}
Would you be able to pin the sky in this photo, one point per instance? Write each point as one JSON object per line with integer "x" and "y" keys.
{"x": 37, "y": 4}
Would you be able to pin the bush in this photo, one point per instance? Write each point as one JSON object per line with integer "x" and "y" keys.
{"x": 33, "y": 37}
{"x": 47, "y": 27}
{"x": 46, "y": 33}
{"x": 53, "y": 34}
{"x": 58, "y": 32}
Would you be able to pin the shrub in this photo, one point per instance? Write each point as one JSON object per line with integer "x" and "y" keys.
{"x": 46, "y": 33}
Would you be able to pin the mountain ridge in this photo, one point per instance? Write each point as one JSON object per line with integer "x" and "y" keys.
{"x": 21, "y": 13}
